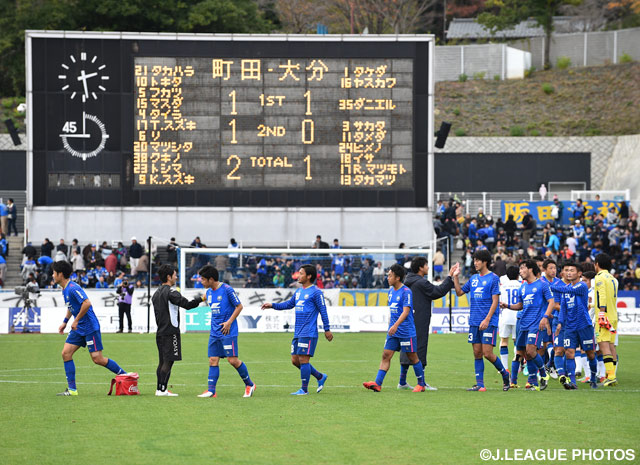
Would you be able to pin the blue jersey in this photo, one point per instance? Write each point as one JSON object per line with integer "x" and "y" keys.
{"x": 534, "y": 298}
{"x": 556, "y": 297}
{"x": 74, "y": 295}
{"x": 223, "y": 302}
{"x": 574, "y": 309}
{"x": 481, "y": 290}
{"x": 308, "y": 303}
{"x": 397, "y": 301}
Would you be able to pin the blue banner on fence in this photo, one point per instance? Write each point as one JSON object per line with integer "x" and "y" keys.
{"x": 24, "y": 320}
{"x": 541, "y": 211}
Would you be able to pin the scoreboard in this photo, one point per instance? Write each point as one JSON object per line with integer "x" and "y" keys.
{"x": 229, "y": 120}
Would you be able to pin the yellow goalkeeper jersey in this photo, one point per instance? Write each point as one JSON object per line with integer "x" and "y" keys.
{"x": 606, "y": 294}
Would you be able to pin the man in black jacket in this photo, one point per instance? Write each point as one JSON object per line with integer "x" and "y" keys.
{"x": 423, "y": 294}
{"x": 165, "y": 306}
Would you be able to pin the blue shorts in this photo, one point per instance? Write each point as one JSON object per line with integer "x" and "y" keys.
{"x": 558, "y": 341}
{"x": 584, "y": 337}
{"x": 529, "y": 337}
{"x": 92, "y": 341}
{"x": 223, "y": 347}
{"x": 546, "y": 337}
{"x": 400, "y": 344}
{"x": 304, "y": 346}
{"x": 487, "y": 336}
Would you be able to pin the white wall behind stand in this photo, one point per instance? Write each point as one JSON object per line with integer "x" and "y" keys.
{"x": 253, "y": 226}
{"x": 624, "y": 167}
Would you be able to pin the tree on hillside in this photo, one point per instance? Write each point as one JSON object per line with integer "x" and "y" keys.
{"x": 464, "y": 8}
{"x": 625, "y": 13}
{"x": 506, "y": 14}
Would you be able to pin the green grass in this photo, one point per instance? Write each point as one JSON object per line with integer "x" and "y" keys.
{"x": 345, "y": 424}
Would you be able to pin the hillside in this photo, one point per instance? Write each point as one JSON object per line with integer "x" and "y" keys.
{"x": 602, "y": 100}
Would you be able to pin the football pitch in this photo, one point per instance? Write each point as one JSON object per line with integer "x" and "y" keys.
{"x": 344, "y": 424}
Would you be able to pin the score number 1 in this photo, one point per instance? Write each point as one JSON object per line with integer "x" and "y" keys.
{"x": 236, "y": 159}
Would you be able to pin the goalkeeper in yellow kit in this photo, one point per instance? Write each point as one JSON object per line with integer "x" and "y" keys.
{"x": 606, "y": 292}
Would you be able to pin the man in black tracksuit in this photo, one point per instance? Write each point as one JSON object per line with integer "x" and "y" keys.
{"x": 423, "y": 294}
{"x": 165, "y": 306}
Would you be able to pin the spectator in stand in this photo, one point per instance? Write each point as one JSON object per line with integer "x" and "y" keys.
{"x": 438, "y": 263}
{"x": 336, "y": 244}
{"x": 499, "y": 266}
{"x": 4, "y": 218}
{"x": 102, "y": 283}
{"x": 221, "y": 262}
{"x": 378, "y": 275}
{"x": 468, "y": 261}
{"x": 401, "y": 259}
{"x": 45, "y": 262}
{"x": 77, "y": 262}
{"x": 46, "y": 248}
{"x": 111, "y": 263}
{"x": 13, "y": 217}
{"x": 121, "y": 256}
{"x": 510, "y": 228}
{"x": 142, "y": 270}
{"x": 233, "y": 258}
{"x": 528, "y": 226}
{"x": 366, "y": 275}
{"x": 253, "y": 281}
{"x": 612, "y": 216}
{"x": 614, "y": 236}
{"x": 278, "y": 279}
{"x": 4, "y": 245}
{"x": 3, "y": 269}
{"x": 29, "y": 267}
{"x": 29, "y": 251}
{"x": 556, "y": 211}
{"x": 472, "y": 231}
{"x": 125, "y": 291}
{"x": 572, "y": 243}
{"x": 64, "y": 248}
{"x": 481, "y": 217}
{"x": 135, "y": 252}
{"x": 553, "y": 243}
{"x": 543, "y": 192}
{"x": 578, "y": 210}
{"x": 623, "y": 213}
{"x": 172, "y": 252}
{"x": 60, "y": 257}
{"x": 578, "y": 231}
{"x": 92, "y": 257}
{"x": 195, "y": 280}
{"x": 74, "y": 246}
{"x": 319, "y": 243}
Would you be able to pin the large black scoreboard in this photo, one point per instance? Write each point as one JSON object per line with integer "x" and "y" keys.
{"x": 229, "y": 120}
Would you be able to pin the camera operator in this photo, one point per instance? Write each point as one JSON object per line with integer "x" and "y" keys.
{"x": 125, "y": 291}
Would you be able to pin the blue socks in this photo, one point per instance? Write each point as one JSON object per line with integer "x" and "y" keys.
{"x": 533, "y": 371}
{"x": 419, "y": 371}
{"x": 593, "y": 366}
{"x": 380, "y": 377}
{"x": 499, "y": 366}
{"x": 540, "y": 364}
{"x": 315, "y": 373}
{"x": 70, "y": 371}
{"x": 244, "y": 374}
{"x": 571, "y": 369}
{"x": 214, "y": 374}
{"x": 479, "y": 368}
{"x": 114, "y": 367}
{"x": 305, "y": 374}
{"x": 559, "y": 362}
{"x": 404, "y": 369}
{"x": 515, "y": 367}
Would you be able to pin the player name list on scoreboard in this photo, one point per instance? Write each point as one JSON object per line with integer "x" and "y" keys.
{"x": 273, "y": 123}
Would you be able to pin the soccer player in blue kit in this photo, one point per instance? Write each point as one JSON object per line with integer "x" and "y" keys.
{"x": 223, "y": 339}
{"x": 85, "y": 329}
{"x": 549, "y": 276}
{"x": 484, "y": 296}
{"x": 401, "y": 335}
{"x": 308, "y": 302}
{"x": 574, "y": 321}
{"x": 535, "y": 318}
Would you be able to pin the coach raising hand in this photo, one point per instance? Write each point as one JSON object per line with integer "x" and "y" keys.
{"x": 165, "y": 305}
{"x": 423, "y": 294}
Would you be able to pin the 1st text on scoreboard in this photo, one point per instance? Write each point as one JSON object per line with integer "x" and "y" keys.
{"x": 273, "y": 123}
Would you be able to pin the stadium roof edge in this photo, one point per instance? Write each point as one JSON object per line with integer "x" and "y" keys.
{"x": 233, "y": 37}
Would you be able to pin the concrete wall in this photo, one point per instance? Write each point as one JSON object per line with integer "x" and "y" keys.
{"x": 624, "y": 168}
{"x": 251, "y": 226}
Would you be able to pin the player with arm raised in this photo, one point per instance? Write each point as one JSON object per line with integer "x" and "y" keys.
{"x": 484, "y": 296}
{"x": 308, "y": 302}
{"x": 402, "y": 331}
{"x": 85, "y": 329}
{"x": 166, "y": 303}
{"x": 536, "y": 302}
{"x": 575, "y": 323}
{"x": 606, "y": 295}
{"x": 223, "y": 339}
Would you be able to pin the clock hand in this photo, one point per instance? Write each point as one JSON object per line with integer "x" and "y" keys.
{"x": 86, "y": 76}
{"x": 86, "y": 89}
